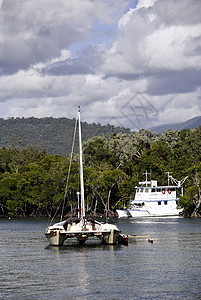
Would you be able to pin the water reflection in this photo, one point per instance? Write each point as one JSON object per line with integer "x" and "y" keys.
{"x": 88, "y": 246}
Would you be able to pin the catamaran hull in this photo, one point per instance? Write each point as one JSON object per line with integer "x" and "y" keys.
{"x": 57, "y": 234}
{"x": 111, "y": 238}
{"x": 55, "y": 238}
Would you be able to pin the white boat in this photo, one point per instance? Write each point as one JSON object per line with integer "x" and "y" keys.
{"x": 123, "y": 213}
{"x": 152, "y": 200}
{"x": 83, "y": 228}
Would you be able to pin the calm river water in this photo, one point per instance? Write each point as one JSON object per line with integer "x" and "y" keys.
{"x": 170, "y": 268}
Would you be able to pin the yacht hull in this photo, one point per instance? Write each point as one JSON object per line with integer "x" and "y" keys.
{"x": 138, "y": 213}
{"x": 123, "y": 213}
{"x": 154, "y": 213}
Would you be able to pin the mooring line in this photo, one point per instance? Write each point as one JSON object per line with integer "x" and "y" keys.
{"x": 139, "y": 236}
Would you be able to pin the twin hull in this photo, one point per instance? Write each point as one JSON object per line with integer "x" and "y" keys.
{"x": 107, "y": 233}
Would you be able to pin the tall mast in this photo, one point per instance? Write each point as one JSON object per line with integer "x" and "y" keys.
{"x": 81, "y": 168}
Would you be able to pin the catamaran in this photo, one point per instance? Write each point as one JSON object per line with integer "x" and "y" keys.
{"x": 152, "y": 200}
{"x": 82, "y": 227}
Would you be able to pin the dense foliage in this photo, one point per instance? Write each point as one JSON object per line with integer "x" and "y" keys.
{"x": 32, "y": 182}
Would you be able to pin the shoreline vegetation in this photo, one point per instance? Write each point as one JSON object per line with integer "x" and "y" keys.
{"x": 33, "y": 182}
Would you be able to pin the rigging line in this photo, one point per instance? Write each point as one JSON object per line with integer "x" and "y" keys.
{"x": 66, "y": 189}
{"x": 71, "y": 158}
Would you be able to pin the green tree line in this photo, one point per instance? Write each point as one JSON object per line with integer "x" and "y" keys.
{"x": 33, "y": 182}
{"x": 53, "y": 134}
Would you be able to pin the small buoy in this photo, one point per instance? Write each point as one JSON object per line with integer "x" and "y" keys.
{"x": 9, "y": 218}
{"x": 150, "y": 241}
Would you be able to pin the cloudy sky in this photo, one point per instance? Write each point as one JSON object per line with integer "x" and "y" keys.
{"x": 135, "y": 64}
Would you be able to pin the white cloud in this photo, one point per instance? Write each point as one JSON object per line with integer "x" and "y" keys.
{"x": 35, "y": 31}
{"x": 145, "y": 3}
{"x": 167, "y": 48}
{"x": 148, "y": 42}
{"x": 146, "y": 72}
{"x": 176, "y": 108}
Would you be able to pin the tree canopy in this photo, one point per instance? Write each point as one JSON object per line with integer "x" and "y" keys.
{"x": 33, "y": 182}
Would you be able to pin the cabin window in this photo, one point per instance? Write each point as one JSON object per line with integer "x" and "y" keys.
{"x": 146, "y": 190}
{"x": 158, "y": 190}
{"x": 159, "y": 202}
{"x": 141, "y": 191}
{"x": 165, "y": 202}
{"x": 153, "y": 190}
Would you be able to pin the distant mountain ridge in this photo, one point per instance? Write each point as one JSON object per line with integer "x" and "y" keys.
{"x": 189, "y": 124}
{"x": 53, "y": 134}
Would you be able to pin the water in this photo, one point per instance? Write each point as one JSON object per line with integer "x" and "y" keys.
{"x": 170, "y": 268}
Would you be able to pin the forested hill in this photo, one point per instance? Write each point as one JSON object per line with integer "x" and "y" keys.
{"x": 53, "y": 134}
{"x": 189, "y": 124}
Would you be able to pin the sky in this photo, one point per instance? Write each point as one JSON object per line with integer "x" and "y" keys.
{"x": 135, "y": 64}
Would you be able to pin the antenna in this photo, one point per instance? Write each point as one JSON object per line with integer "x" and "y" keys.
{"x": 146, "y": 173}
{"x": 179, "y": 183}
{"x": 169, "y": 177}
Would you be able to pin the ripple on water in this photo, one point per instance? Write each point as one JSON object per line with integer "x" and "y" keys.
{"x": 169, "y": 268}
